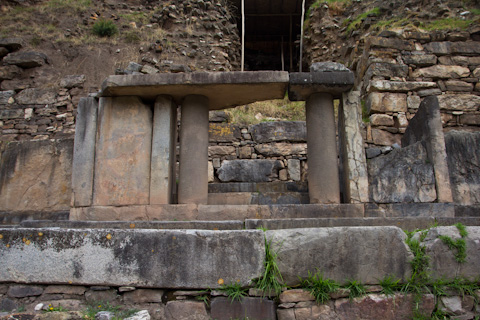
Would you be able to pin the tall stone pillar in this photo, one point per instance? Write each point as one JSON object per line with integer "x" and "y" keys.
{"x": 323, "y": 179}
{"x": 193, "y": 180}
{"x": 162, "y": 176}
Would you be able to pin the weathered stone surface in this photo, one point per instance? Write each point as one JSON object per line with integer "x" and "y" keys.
{"x": 466, "y": 48}
{"x": 186, "y": 310}
{"x": 388, "y": 70}
{"x": 294, "y": 131}
{"x": 140, "y": 315}
{"x": 403, "y": 175}
{"x": 417, "y": 210}
{"x": 139, "y": 257}
{"x": 72, "y": 81}
{"x": 328, "y": 67}
{"x": 439, "y": 48}
{"x": 93, "y": 296}
{"x": 371, "y": 253}
{"x": 26, "y": 59}
{"x": 392, "y": 43}
{"x": 304, "y": 84}
{"x": 353, "y": 151}
{"x": 71, "y": 290}
{"x": 470, "y": 119}
{"x": 24, "y": 291}
{"x": 247, "y": 308}
{"x": 6, "y": 95}
{"x": 426, "y": 126}
{"x": 464, "y": 166}
{"x": 455, "y": 305}
{"x": 442, "y": 72}
{"x": 464, "y": 102}
{"x": 3, "y": 52}
{"x": 379, "y": 119}
{"x": 398, "y": 86}
{"x": 384, "y": 138}
{"x": 223, "y": 132}
{"x": 9, "y": 72}
{"x": 413, "y": 102}
{"x": 36, "y": 96}
{"x": 7, "y": 304}
{"x": 35, "y": 175}
{"x": 223, "y": 89}
{"x": 218, "y": 116}
{"x": 386, "y": 102}
{"x": 420, "y": 60}
{"x": 456, "y": 85}
{"x": 294, "y": 171}
{"x": 11, "y": 44}
{"x": 66, "y": 315}
{"x": 374, "y": 306}
{"x": 84, "y": 152}
{"x": 220, "y": 151}
{"x": 248, "y": 170}
{"x": 442, "y": 259}
{"x": 143, "y": 296}
{"x": 281, "y": 149}
{"x": 295, "y": 295}
{"x": 123, "y": 152}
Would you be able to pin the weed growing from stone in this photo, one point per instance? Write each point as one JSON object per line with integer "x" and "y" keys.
{"x": 459, "y": 245}
{"x": 234, "y": 291}
{"x": 271, "y": 280}
{"x": 50, "y": 308}
{"x": 205, "y": 299}
{"x": 117, "y": 311}
{"x": 356, "y": 289}
{"x": 319, "y": 286}
{"x": 390, "y": 285}
{"x": 419, "y": 279}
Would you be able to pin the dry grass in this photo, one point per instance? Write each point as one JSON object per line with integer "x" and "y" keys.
{"x": 271, "y": 110}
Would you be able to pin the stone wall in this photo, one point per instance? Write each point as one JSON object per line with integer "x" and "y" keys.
{"x": 396, "y": 70}
{"x": 268, "y": 151}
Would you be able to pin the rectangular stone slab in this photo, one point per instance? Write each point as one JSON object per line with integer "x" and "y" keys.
{"x": 142, "y": 258}
{"x": 304, "y": 84}
{"x": 223, "y": 89}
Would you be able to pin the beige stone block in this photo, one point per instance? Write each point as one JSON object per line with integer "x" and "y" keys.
{"x": 378, "y": 119}
{"x": 123, "y": 152}
{"x": 442, "y": 71}
{"x": 384, "y": 138}
{"x": 413, "y": 102}
{"x": 464, "y": 102}
{"x": 401, "y": 120}
{"x": 220, "y": 151}
{"x": 386, "y": 102}
{"x": 211, "y": 174}
{"x": 457, "y": 85}
{"x": 296, "y": 295}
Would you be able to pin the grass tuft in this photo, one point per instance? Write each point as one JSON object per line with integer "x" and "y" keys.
{"x": 234, "y": 291}
{"x": 271, "y": 280}
{"x": 104, "y": 28}
{"x": 319, "y": 286}
{"x": 390, "y": 285}
{"x": 356, "y": 289}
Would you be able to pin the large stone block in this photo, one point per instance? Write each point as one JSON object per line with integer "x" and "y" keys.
{"x": 462, "y": 102}
{"x": 442, "y": 261}
{"x": 464, "y": 166}
{"x": 403, "y": 175}
{"x": 400, "y": 86}
{"x": 35, "y": 96}
{"x": 84, "y": 152}
{"x": 385, "y": 69}
{"x": 221, "y": 151}
{"x": 186, "y": 310}
{"x": 281, "y": 149}
{"x": 442, "y": 72}
{"x": 249, "y": 170}
{"x": 247, "y": 308}
{"x": 385, "y": 138}
{"x": 123, "y": 152}
{"x": 223, "y": 132}
{"x": 366, "y": 254}
{"x": 420, "y": 60}
{"x": 6, "y": 96}
{"x": 29, "y": 59}
{"x": 141, "y": 258}
{"x": 386, "y": 102}
{"x": 391, "y": 43}
{"x": 36, "y": 175}
{"x": 294, "y": 131}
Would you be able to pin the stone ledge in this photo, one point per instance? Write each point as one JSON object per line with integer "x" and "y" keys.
{"x": 223, "y": 89}
{"x": 140, "y": 258}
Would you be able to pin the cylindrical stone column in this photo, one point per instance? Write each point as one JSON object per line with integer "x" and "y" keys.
{"x": 323, "y": 179}
{"x": 193, "y": 180}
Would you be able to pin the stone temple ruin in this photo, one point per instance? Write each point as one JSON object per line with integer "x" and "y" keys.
{"x": 162, "y": 212}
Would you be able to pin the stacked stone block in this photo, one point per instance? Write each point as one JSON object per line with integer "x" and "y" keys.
{"x": 399, "y": 69}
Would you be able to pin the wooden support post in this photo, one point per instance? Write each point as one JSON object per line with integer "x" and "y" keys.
{"x": 283, "y": 57}
{"x": 301, "y": 34}
{"x": 243, "y": 35}
{"x": 291, "y": 44}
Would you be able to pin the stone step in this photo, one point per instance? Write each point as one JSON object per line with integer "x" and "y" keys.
{"x": 259, "y": 198}
{"x": 405, "y": 223}
{"x": 263, "y": 187}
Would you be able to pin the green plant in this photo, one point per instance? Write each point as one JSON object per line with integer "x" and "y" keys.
{"x": 390, "y": 285}
{"x": 21, "y": 308}
{"x": 271, "y": 280}
{"x": 204, "y": 298}
{"x": 459, "y": 245}
{"x": 119, "y": 313}
{"x": 50, "y": 308}
{"x": 356, "y": 289}
{"x": 132, "y": 37}
{"x": 104, "y": 28}
{"x": 319, "y": 286}
{"x": 419, "y": 263}
{"x": 234, "y": 291}
{"x": 355, "y": 24}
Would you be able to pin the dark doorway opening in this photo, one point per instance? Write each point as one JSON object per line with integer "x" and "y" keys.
{"x": 272, "y": 33}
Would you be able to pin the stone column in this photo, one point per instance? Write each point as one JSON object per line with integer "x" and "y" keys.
{"x": 162, "y": 176}
{"x": 193, "y": 180}
{"x": 323, "y": 179}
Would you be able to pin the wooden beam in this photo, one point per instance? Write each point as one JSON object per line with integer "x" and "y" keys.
{"x": 301, "y": 35}
{"x": 243, "y": 35}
